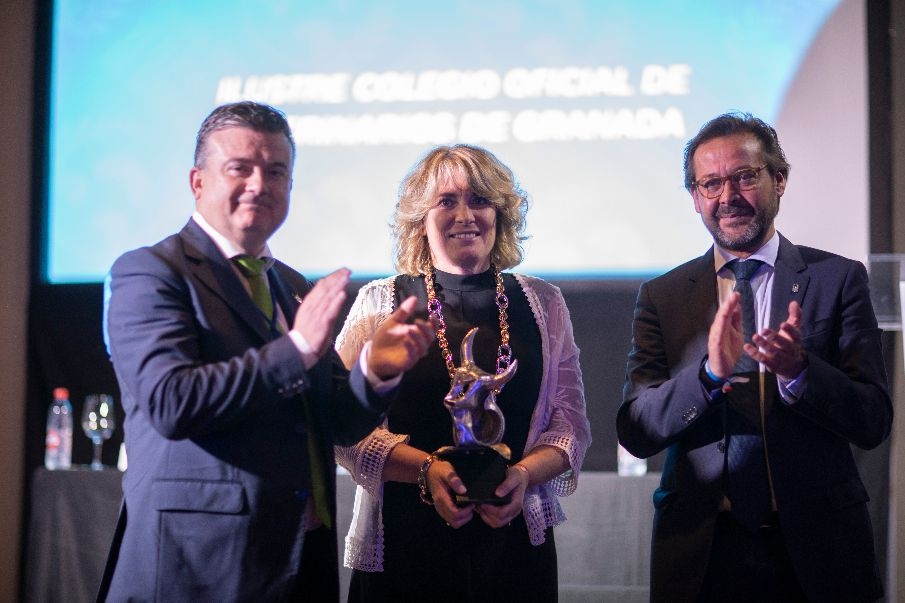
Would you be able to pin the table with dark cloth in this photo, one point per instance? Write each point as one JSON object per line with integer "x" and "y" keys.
{"x": 603, "y": 548}
{"x": 72, "y": 518}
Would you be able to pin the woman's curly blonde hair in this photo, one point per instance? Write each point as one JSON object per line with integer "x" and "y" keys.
{"x": 487, "y": 176}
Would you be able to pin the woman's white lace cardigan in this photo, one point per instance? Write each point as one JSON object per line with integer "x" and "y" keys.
{"x": 559, "y": 418}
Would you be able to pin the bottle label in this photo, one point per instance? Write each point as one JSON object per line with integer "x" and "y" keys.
{"x": 52, "y": 441}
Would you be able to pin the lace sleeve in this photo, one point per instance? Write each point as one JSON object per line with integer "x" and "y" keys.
{"x": 364, "y": 461}
{"x": 567, "y": 427}
{"x": 371, "y": 307}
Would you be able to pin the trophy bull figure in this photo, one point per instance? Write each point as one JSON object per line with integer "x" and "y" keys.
{"x": 477, "y": 420}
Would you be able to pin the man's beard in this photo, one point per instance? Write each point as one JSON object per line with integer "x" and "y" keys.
{"x": 742, "y": 242}
{"x": 751, "y": 237}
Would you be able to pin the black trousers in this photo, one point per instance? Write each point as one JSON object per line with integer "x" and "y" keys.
{"x": 749, "y": 567}
{"x": 319, "y": 575}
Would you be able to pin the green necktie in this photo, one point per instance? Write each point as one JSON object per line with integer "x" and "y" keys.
{"x": 318, "y": 487}
{"x": 255, "y": 271}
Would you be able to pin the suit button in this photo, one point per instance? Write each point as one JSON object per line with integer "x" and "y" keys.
{"x": 300, "y": 429}
{"x": 721, "y": 446}
{"x": 301, "y": 495}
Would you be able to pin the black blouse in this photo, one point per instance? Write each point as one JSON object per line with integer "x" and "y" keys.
{"x": 469, "y": 301}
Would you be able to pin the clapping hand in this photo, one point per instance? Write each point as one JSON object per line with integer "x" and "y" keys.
{"x": 398, "y": 344}
{"x": 727, "y": 337}
{"x": 320, "y": 308}
{"x": 781, "y": 351}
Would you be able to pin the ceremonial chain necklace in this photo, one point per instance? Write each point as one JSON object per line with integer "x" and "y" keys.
{"x": 435, "y": 309}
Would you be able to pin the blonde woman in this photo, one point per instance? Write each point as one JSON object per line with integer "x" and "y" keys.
{"x": 458, "y": 225}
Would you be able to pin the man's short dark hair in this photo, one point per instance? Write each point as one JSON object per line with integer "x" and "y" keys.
{"x": 244, "y": 114}
{"x": 737, "y": 123}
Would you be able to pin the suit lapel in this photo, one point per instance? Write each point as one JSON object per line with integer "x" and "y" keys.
{"x": 701, "y": 297}
{"x": 215, "y": 272}
{"x": 790, "y": 281}
{"x": 286, "y": 296}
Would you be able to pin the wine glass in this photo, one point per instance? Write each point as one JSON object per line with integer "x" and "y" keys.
{"x": 98, "y": 422}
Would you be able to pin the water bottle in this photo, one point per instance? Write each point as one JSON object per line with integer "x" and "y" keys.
{"x": 626, "y": 464}
{"x": 58, "y": 443}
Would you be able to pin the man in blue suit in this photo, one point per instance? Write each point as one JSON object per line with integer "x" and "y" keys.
{"x": 760, "y": 499}
{"x": 233, "y": 394}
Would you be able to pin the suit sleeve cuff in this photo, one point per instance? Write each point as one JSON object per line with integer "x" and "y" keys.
{"x": 792, "y": 390}
{"x": 714, "y": 385}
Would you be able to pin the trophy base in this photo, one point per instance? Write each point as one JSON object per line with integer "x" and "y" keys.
{"x": 482, "y": 469}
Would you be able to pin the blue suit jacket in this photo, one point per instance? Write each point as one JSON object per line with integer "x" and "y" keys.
{"x": 215, "y": 426}
{"x": 819, "y": 495}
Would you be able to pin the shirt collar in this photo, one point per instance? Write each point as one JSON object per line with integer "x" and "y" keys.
{"x": 767, "y": 253}
{"x": 225, "y": 246}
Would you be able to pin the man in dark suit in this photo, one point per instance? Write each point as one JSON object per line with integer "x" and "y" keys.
{"x": 233, "y": 394}
{"x": 760, "y": 499}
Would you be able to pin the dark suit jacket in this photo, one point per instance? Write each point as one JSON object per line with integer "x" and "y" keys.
{"x": 819, "y": 495}
{"x": 215, "y": 427}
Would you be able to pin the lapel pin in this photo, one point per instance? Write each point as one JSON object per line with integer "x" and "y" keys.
{"x": 298, "y": 297}
{"x": 795, "y": 288}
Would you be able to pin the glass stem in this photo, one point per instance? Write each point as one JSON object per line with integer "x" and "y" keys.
{"x": 97, "y": 463}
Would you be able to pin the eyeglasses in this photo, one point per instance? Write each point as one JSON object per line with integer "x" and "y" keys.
{"x": 744, "y": 179}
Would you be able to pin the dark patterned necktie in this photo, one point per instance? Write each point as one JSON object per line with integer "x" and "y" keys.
{"x": 743, "y": 271}
{"x": 748, "y": 483}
